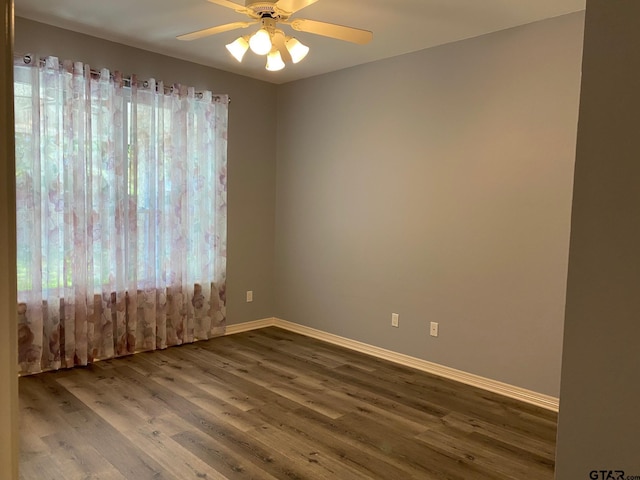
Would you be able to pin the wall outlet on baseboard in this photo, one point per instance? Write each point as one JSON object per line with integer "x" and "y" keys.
{"x": 394, "y": 320}
{"x": 433, "y": 329}
{"x": 249, "y": 296}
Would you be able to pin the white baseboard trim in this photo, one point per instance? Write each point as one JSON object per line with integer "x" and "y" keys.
{"x": 247, "y": 326}
{"x": 534, "y": 398}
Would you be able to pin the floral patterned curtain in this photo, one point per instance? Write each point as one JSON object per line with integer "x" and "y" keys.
{"x": 121, "y": 208}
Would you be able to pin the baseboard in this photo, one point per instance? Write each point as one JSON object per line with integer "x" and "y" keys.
{"x": 534, "y": 398}
{"x": 247, "y": 326}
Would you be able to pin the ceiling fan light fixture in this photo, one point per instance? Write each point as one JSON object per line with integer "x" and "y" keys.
{"x": 297, "y": 49}
{"x": 269, "y": 40}
{"x": 274, "y": 61}
{"x": 238, "y": 48}
{"x": 260, "y": 42}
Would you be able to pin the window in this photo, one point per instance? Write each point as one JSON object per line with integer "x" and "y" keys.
{"x": 121, "y": 207}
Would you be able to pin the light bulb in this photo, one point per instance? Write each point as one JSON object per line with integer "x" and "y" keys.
{"x": 297, "y": 50}
{"x": 274, "y": 61}
{"x": 238, "y": 48}
{"x": 260, "y": 42}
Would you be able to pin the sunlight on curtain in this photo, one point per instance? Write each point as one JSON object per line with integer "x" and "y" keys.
{"x": 121, "y": 208}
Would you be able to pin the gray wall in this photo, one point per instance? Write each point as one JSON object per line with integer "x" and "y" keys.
{"x": 599, "y": 425}
{"x": 251, "y": 150}
{"x": 436, "y": 185}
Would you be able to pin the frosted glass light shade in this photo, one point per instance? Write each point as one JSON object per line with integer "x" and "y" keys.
{"x": 238, "y": 48}
{"x": 260, "y": 42}
{"x": 274, "y": 61}
{"x": 297, "y": 50}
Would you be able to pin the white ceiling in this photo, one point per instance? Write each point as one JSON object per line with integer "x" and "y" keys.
{"x": 398, "y": 26}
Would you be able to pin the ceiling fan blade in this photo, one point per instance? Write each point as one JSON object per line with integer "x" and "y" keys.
{"x": 289, "y": 7}
{"x": 349, "y": 34}
{"x": 214, "y": 30}
{"x": 279, "y": 40}
{"x": 231, "y": 5}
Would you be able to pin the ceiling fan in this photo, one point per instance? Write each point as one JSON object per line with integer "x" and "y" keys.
{"x": 269, "y": 39}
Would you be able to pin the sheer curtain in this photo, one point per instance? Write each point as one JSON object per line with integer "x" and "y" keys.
{"x": 121, "y": 208}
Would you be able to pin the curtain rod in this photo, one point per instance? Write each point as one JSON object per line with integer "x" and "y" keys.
{"x": 28, "y": 59}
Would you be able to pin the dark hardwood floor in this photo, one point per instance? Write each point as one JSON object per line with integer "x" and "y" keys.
{"x": 271, "y": 404}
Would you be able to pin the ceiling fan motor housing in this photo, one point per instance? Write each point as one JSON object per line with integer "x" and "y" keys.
{"x": 260, "y": 7}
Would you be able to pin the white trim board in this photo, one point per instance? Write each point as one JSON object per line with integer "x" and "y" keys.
{"x": 511, "y": 391}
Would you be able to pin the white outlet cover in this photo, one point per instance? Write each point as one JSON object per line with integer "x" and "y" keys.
{"x": 433, "y": 329}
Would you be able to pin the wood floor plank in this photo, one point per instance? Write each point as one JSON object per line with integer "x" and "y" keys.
{"x": 272, "y": 404}
{"x": 348, "y": 449}
{"x": 352, "y": 399}
{"x": 312, "y": 460}
{"x": 499, "y": 433}
{"x": 115, "y": 447}
{"x": 175, "y": 459}
{"x": 236, "y": 450}
{"x": 319, "y": 349}
{"x": 76, "y": 458}
{"x": 203, "y": 395}
{"x": 462, "y": 446}
{"x": 105, "y": 402}
{"x": 223, "y": 459}
{"x": 43, "y": 467}
{"x": 355, "y": 397}
{"x": 311, "y": 398}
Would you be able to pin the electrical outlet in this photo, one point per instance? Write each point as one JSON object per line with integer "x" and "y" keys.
{"x": 394, "y": 320}
{"x": 433, "y": 331}
{"x": 249, "y": 296}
